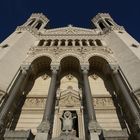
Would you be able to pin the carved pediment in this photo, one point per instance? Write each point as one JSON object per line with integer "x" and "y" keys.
{"x": 69, "y": 99}
{"x": 70, "y": 30}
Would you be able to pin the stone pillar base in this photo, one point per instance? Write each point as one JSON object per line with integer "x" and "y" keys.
{"x": 94, "y": 136}
{"x": 18, "y": 135}
{"x": 95, "y": 130}
{"x": 67, "y": 136}
{"x": 115, "y": 135}
{"x": 41, "y": 136}
{"x": 43, "y": 131}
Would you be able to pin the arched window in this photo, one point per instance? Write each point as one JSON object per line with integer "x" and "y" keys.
{"x": 101, "y": 24}
{"x": 98, "y": 42}
{"x": 69, "y": 42}
{"x": 84, "y": 42}
{"x": 77, "y": 42}
{"x": 109, "y": 22}
{"x": 5, "y": 46}
{"x": 38, "y": 25}
{"x": 63, "y": 42}
{"x": 55, "y": 42}
{"x": 91, "y": 43}
{"x": 48, "y": 43}
{"x": 41, "y": 43}
{"x": 31, "y": 22}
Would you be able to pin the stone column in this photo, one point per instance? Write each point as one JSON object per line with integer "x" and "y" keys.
{"x": 44, "y": 128}
{"x": 12, "y": 96}
{"x": 66, "y": 43}
{"x": 81, "y": 124}
{"x": 88, "y": 96}
{"x": 52, "y": 42}
{"x": 73, "y": 42}
{"x": 93, "y": 125}
{"x": 59, "y": 42}
{"x": 95, "y": 43}
{"x": 51, "y": 95}
{"x": 87, "y": 42}
{"x": 131, "y": 107}
{"x": 80, "y": 42}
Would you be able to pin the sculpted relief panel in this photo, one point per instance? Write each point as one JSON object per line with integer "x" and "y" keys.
{"x": 103, "y": 102}
{"x": 35, "y": 102}
{"x": 69, "y": 100}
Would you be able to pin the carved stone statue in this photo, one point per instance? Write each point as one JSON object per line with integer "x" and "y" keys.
{"x": 67, "y": 122}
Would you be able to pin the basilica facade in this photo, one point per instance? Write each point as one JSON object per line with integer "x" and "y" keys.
{"x": 70, "y": 83}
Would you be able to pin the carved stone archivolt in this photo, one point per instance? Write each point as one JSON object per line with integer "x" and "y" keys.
{"x": 56, "y": 54}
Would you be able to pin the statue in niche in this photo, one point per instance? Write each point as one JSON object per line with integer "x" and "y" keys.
{"x": 67, "y": 122}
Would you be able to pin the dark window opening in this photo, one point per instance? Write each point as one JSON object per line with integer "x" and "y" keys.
{"x": 102, "y": 26}
{"x": 63, "y": 42}
{"x": 109, "y": 22}
{"x": 41, "y": 43}
{"x": 32, "y": 21}
{"x": 19, "y": 32}
{"x": 120, "y": 32}
{"x": 48, "y": 43}
{"x": 55, "y": 43}
{"x": 77, "y": 43}
{"x": 98, "y": 42}
{"x": 5, "y": 46}
{"x": 39, "y": 24}
{"x": 84, "y": 42}
{"x": 135, "y": 46}
{"x": 91, "y": 43}
{"x": 69, "y": 42}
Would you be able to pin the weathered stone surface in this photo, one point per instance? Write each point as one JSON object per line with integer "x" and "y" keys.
{"x": 71, "y": 48}
{"x": 115, "y": 135}
{"x": 18, "y": 135}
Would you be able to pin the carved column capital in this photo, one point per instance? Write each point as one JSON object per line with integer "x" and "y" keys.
{"x": 85, "y": 68}
{"x": 114, "y": 68}
{"x": 25, "y": 68}
{"x": 54, "y": 68}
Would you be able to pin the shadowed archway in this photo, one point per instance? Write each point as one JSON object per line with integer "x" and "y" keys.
{"x": 101, "y": 74}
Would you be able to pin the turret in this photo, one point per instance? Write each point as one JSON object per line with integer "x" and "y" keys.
{"x": 104, "y": 22}
{"x": 37, "y": 20}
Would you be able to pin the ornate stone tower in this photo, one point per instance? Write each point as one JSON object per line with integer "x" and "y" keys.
{"x": 70, "y": 83}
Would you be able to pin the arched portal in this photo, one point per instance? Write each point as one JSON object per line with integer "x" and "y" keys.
{"x": 69, "y": 97}
{"x": 30, "y": 113}
{"x": 70, "y": 64}
{"x": 105, "y": 100}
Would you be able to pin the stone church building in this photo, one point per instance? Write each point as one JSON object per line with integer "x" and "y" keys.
{"x": 70, "y": 83}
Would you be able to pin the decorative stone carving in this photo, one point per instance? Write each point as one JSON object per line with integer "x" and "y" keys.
{"x": 69, "y": 100}
{"x": 103, "y": 102}
{"x": 58, "y": 53}
{"x": 45, "y": 76}
{"x": 94, "y": 76}
{"x": 67, "y": 122}
{"x": 35, "y": 102}
{"x": 69, "y": 77}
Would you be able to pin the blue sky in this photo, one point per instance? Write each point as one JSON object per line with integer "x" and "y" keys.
{"x": 63, "y": 12}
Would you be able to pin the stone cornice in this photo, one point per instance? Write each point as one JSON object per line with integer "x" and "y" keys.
{"x": 68, "y": 32}
{"x": 100, "y": 15}
{"x": 40, "y": 16}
